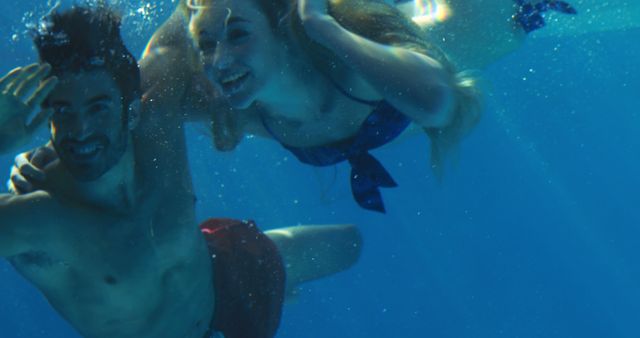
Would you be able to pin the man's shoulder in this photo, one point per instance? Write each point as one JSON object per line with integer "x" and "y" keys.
{"x": 31, "y": 200}
{"x": 34, "y": 206}
{"x": 29, "y": 218}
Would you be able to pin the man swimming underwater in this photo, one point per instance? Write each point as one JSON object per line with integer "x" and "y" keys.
{"x": 111, "y": 240}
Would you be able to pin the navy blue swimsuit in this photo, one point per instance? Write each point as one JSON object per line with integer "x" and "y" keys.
{"x": 383, "y": 125}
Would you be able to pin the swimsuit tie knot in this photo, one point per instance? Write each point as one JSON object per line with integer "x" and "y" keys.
{"x": 367, "y": 176}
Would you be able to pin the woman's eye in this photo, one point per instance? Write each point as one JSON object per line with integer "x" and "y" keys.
{"x": 207, "y": 46}
{"x": 237, "y": 34}
{"x": 197, "y": 4}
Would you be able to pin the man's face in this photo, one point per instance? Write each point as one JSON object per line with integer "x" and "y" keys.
{"x": 87, "y": 130}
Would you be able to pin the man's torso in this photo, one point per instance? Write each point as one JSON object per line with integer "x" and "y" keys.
{"x": 144, "y": 274}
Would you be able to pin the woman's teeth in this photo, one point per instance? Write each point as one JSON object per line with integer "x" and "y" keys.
{"x": 232, "y": 77}
{"x": 233, "y": 83}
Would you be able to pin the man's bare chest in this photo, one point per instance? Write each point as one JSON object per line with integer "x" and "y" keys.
{"x": 93, "y": 246}
{"x": 104, "y": 270}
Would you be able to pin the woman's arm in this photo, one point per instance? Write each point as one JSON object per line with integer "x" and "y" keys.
{"x": 171, "y": 75}
{"x": 414, "y": 83}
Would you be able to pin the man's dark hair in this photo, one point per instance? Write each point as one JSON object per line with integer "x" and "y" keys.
{"x": 85, "y": 39}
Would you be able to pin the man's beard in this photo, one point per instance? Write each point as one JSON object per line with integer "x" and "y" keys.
{"x": 90, "y": 169}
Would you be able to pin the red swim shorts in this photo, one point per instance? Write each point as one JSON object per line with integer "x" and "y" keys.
{"x": 249, "y": 279}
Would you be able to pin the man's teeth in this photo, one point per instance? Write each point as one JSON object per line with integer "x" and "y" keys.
{"x": 86, "y": 149}
{"x": 232, "y": 77}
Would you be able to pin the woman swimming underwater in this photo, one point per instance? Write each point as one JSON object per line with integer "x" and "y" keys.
{"x": 332, "y": 80}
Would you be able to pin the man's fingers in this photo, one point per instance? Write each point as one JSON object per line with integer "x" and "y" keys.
{"x": 42, "y": 92}
{"x": 29, "y": 82}
{"x": 22, "y": 74}
{"x": 39, "y": 119}
{"x": 9, "y": 77}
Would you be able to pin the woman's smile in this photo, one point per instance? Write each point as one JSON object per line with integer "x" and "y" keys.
{"x": 234, "y": 82}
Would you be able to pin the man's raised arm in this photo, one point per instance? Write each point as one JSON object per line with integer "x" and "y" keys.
{"x": 22, "y": 91}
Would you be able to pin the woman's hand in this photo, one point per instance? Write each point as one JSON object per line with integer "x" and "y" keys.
{"x": 21, "y": 91}
{"x": 28, "y": 171}
{"x": 310, "y": 8}
{"x": 316, "y": 19}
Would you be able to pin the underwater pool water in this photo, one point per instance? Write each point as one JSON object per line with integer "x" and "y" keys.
{"x": 533, "y": 233}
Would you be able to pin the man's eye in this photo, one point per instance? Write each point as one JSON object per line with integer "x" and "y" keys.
{"x": 61, "y": 111}
{"x": 237, "y": 34}
{"x": 98, "y": 108}
{"x": 62, "y": 114}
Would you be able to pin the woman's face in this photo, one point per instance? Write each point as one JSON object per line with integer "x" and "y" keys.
{"x": 239, "y": 50}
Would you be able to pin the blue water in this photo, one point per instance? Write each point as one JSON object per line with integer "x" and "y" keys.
{"x": 534, "y": 233}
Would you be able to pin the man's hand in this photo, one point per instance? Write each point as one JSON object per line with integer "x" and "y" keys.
{"x": 21, "y": 91}
{"x": 28, "y": 171}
